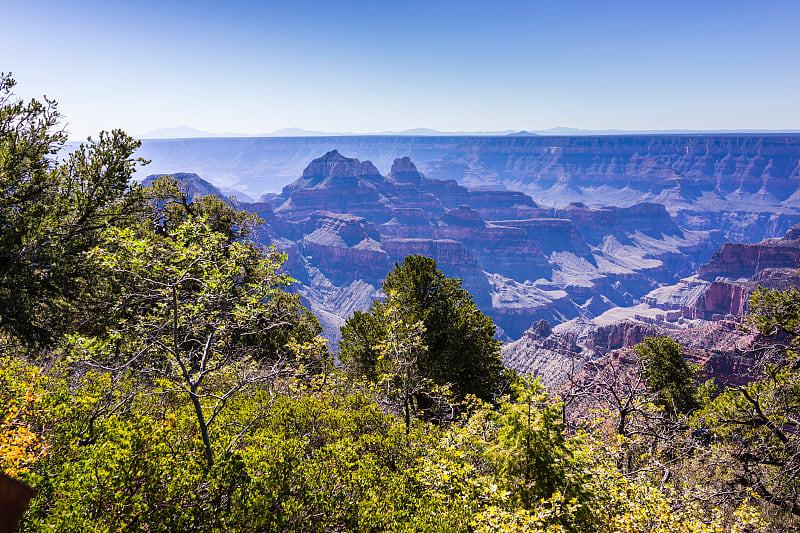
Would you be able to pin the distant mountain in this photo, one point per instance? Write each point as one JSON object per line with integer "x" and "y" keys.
{"x": 185, "y": 132}
{"x": 437, "y": 133}
{"x": 181, "y": 132}
{"x": 415, "y": 131}
{"x": 297, "y": 132}
{"x": 561, "y": 130}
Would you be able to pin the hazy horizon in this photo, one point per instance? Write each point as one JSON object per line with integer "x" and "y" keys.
{"x": 187, "y": 132}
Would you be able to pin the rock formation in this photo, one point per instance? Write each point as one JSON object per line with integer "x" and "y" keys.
{"x": 702, "y": 313}
{"x": 744, "y": 185}
{"x": 722, "y": 286}
{"x": 544, "y": 354}
{"x": 343, "y": 226}
{"x": 722, "y": 348}
{"x": 620, "y": 335}
{"x": 342, "y": 222}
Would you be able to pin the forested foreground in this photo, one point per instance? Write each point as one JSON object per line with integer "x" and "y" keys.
{"x": 158, "y": 374}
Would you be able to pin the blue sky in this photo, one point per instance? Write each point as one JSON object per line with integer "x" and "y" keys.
{"x": 251, "y": 67}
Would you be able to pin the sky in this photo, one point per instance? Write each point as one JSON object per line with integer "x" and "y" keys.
{"x": 257, "y": 66}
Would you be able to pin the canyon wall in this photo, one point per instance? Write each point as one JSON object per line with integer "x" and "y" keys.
{"x": 343, "y": 226}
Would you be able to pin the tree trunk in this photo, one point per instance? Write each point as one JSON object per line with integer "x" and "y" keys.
{"x": 201, "y": 420}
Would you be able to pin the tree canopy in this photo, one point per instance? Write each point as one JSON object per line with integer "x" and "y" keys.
{"x": 51, "y": 213}
{"x": 667, "y": 374}
{"x": 757, "y": 425}
{"x": 460, "y": 348}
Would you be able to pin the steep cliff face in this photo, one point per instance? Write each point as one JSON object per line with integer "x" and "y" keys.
{"x": 739, "y": 226}
{"x": 503, "y": 205}
{"x": 723, "y": 285}
{"x": 644, "y": 163}
{"x": 344, "y": 247}
{"x": 552, "y": 234}
{"x": 520, "y": 257}
{"x": 452, "y": 257}
{"x": 721, "y": 299}
{"x": 744, "y": 260}
{"x": 597, "y": 223}
{"x": 621, "y": 335}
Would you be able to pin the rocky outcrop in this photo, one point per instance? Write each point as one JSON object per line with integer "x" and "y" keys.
{"x": 552, "y": 235}
{"x": 404, "y": 171}
{"x": 722, "y": 348}
{"x": 777, "y": 278}
{"x": 503, "y": 204}
{"x": 344, "y": 247}
{"x": 336, "y": 184}
{"x": 621, "y": 335}
{"x": 720, "y": 299}
{"x": 325, "y": 170}
{"x": 723, "y": 286}
{"x": 273, "y": 224}
{"x": 744, "y": 260}
{"x": 542, "y": 353}
{"x": 595, "y": 224}
{"x": 463, "y": 216}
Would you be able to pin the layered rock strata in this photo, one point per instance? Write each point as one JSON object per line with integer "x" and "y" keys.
{"x": 341, "y": 221}
{"x": 745, "y": 185}
{"x": 723, "y": 286}
{"x": 343, "y": 226}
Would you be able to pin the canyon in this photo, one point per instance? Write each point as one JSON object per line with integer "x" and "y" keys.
{"x": 343, "y": 225}
{"x": 705, "y": 313}
{"x": 744, "y": 185}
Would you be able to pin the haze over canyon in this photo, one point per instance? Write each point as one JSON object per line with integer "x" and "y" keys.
{"x": 580, "y": 231}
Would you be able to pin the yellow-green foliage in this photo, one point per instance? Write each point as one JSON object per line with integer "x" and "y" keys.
{"x": 19, "y": 443}
{"x": 321, "y": 456}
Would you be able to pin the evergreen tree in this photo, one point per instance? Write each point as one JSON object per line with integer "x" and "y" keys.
{"x": 51, "y": 213}
{"x": 756, "y": 426}
{"x": 667, "y": 374}
{"x": 460, "y": 348}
